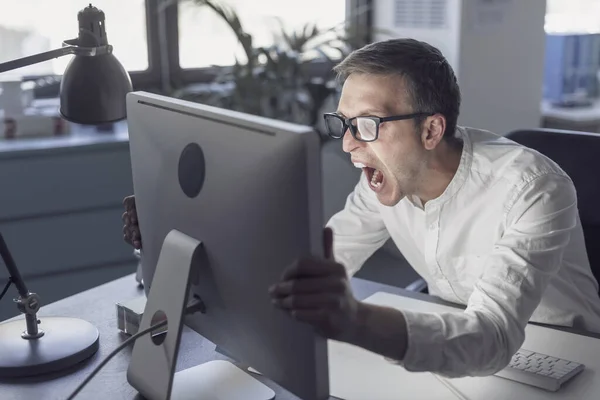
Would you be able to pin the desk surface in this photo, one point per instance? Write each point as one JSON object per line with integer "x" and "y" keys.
{"x": 98, "y": 306}
{"x": 356, "y": 374}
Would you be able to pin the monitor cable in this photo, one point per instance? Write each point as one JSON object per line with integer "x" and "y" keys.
{"x": 196, "y": 306}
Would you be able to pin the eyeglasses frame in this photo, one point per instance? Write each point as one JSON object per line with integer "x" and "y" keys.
{"x": 347, "y": 123}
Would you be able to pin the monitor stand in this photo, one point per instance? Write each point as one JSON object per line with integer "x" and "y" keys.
{"x": 152, "y": 367}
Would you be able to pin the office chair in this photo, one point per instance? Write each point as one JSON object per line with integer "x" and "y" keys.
{"x": 578, "y": 154}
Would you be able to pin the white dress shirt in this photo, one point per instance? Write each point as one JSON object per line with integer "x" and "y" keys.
{"x": 504, "y": 239}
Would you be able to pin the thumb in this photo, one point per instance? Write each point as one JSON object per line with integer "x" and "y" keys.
{"x": 328, "y": 243}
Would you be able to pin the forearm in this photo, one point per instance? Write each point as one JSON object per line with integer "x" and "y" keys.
{"x": 451, "y": 343}
{"x": 457, "y": 344}
{"x": 381, "y": 330}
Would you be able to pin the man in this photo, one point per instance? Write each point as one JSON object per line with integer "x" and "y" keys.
{"x": 485, "y": 222}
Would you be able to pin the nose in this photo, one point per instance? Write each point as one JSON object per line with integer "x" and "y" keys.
{"x": 349, "y": 143}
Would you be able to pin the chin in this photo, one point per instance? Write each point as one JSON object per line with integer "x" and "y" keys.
{"x": 389, "y": 199}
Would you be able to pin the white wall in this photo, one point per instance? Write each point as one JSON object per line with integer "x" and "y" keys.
{"x": 502, "y": 67}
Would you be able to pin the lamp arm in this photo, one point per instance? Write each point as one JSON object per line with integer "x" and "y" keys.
{"x": 36, "y": 58}
{"x": 12, "y": 268}
{"x": 28, "y": 303}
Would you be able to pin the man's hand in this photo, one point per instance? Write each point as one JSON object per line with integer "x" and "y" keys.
{"x": 131, "y": 229}
{"x": 318, "y": 292}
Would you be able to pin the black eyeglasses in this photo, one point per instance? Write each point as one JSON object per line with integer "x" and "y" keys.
{"x": 364, "y": 129}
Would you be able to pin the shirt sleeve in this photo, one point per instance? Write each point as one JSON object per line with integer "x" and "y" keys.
{"x": 358, "y": 229}
{"x": 481, "y": 340}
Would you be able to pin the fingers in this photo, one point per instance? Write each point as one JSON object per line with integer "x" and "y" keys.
{"x": 130, "y": 209}
{"x": 137, "y": 244}
{"x": 132, "y": 215}
{"x": 312, "y": 267}
{"x": 126, "y": 235}
{"x": 129, "y": 202}
{"x": 308, "y": 286}
{"x": 131, "y": 230}
{"x": 132, "y": 238}
{"x": 136, "y": 239}
{"x": 314, "y": 301}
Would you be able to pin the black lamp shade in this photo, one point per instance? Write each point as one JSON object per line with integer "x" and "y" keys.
{"x": 93, "y": 90}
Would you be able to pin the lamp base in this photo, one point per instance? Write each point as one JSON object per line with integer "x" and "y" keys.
{"x": 65, "y": 342}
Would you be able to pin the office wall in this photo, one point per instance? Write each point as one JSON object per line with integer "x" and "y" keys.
{"x": 60, "y": 215}
{"x": 502, "y": 64}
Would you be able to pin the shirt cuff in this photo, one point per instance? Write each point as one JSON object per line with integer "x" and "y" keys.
{"x": 424, "y": 351}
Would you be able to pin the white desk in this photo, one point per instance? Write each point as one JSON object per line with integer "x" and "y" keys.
{"x": 357, "y": 374}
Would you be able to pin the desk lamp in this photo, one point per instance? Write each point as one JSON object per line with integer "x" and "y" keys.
{"x": 94, "y": 85}
{"x": 92, "y": 91}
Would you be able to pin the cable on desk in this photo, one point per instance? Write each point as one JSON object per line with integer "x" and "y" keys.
{"x": 114, "y": 353}
{"x": 450, "y": 387}
{"x": 195, "y": 306}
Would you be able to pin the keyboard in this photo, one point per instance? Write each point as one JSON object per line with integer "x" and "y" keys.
{"x": 540, "y": 370}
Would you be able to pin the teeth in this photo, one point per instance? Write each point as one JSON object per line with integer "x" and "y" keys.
{"x": 375, "y": 177}
{"x": 359, "y": 165}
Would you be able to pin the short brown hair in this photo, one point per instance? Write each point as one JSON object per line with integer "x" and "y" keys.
{"x": 430, "y": 80}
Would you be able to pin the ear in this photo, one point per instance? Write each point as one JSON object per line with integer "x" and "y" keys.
{"x": 433, "y": 129}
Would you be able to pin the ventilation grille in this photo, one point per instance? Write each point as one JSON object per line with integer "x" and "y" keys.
{"x": 420, "y": 14}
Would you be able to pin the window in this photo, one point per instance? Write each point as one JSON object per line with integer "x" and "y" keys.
{"x": 573, "y": 16}
{"x": 32, "y": 26}
{"x": 206, "y": 40}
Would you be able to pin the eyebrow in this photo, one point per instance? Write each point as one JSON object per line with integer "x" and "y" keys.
{"x": 367, "y": 112}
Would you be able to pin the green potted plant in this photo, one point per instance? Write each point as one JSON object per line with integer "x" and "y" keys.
{"x": 291, "y": 80}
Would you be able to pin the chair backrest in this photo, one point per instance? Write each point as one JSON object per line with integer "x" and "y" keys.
{"x": 578, "y": 154}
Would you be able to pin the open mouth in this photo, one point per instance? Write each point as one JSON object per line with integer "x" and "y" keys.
{"x": 374, "y": 176}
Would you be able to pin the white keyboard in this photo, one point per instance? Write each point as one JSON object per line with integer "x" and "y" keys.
{"x": 540, "y": 370}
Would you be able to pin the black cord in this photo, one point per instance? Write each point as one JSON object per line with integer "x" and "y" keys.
{"x": 196, "y": 305}
{"x": 114, "y": 353}
{"x": 5, "y": 288}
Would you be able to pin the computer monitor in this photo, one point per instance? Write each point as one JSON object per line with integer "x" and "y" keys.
{"x": 249, "y": 189}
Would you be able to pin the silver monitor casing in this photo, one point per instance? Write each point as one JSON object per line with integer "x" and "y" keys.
{"x": 259, "y": 209}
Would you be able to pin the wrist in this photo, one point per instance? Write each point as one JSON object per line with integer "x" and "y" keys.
{"x": 356, "y": 332}
{"x": 381, "y": 330}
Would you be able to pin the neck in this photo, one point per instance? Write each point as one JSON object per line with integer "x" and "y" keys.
{"x": 440, "y": 169}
